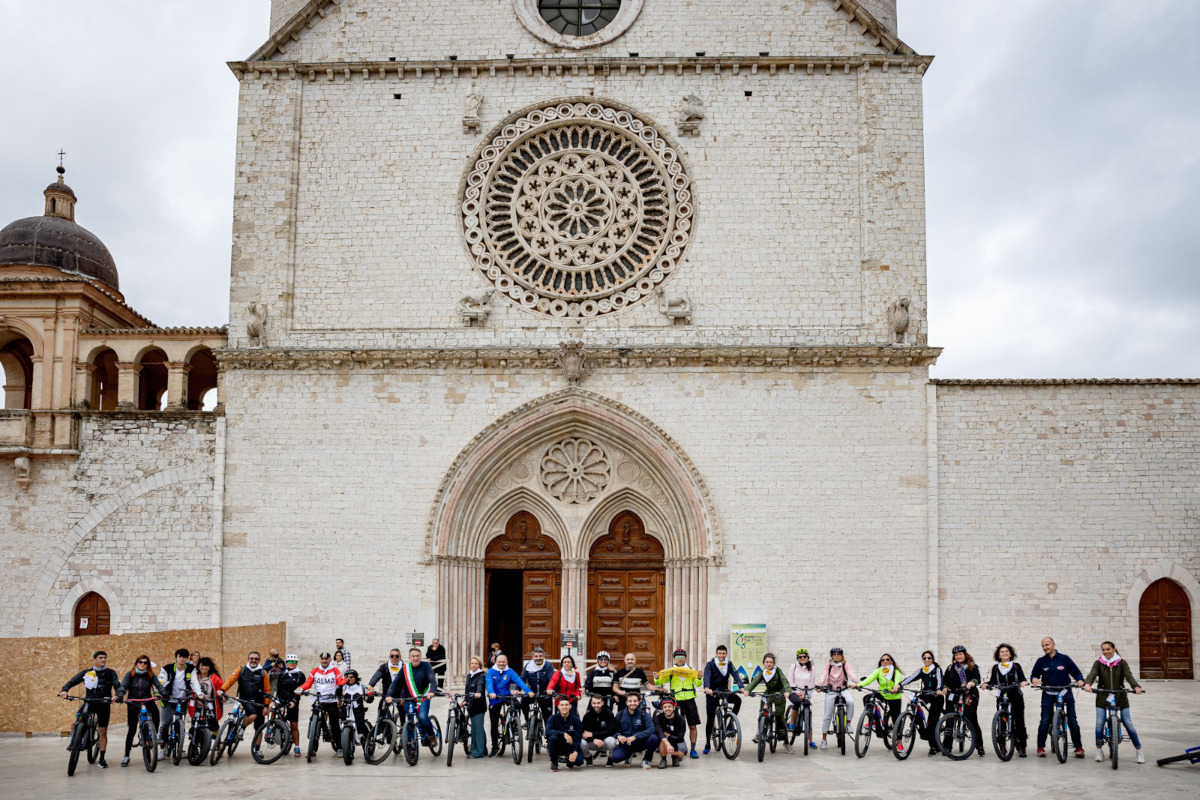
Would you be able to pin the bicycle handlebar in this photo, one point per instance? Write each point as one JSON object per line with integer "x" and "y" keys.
{"x": 90, "y": 699}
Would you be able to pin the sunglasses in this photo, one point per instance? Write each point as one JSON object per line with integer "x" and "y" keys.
{"x": 143, "y": 662}
{"x": 927, "y": 658}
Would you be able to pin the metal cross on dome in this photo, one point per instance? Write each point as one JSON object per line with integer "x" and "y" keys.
{"x": 61, "y": 154}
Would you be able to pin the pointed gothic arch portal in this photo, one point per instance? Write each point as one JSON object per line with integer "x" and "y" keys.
{"x": 523, "y": 589}
{"x": 635, "y": 473}
{"x": 626, "y": 581}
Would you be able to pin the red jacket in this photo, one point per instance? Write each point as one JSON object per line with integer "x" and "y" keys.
{"x": 559, "y": 684}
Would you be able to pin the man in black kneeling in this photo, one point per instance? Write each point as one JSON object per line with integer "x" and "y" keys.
{"x": 565, "y": 732}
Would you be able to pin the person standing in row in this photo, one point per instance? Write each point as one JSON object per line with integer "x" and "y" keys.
{"x": 291, "y": 679}
{"x": 930, "y": 678}
{"x": 837, "y": 675}
{"x": 1056, "y": 670}
{"x": 962, "y": 678}
{"x": 600, "y": 680}
{"x": 499, "y": 684}
{"x": 774, "y": 683}
{"x": 536, "y": 675}
{"x": 99, "y": 681}
{"x": 1008, "y": 677}
{"x": 1113, "y": 672}
{"x": 802, "y": 678}
{"x": 179, "y": 680}
{"x": 629, "y": 679}
{"x": 567, "y": 682}
{"x": 887, "y": 676}
{"x": 683, "y": 681}
{"x": 436, "y": 655}
{"x": 140, "y": 684}
{"x": 717, "y": 674}
{"x": 253, "y": 685}
{"x": 476, "y": 691}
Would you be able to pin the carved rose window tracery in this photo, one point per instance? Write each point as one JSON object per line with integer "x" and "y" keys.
{"x": 577, "y": 210}
{"x": 575, "y": 470}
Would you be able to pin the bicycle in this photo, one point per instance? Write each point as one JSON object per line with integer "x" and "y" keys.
{"x": 147, "y": 734}
{"x": 1002, "y": 725}
{"x": 841, "y": 721}
{"x": 410, "y": 732}
{"x": 872, "y": 721}
{"x": 350, "y": 729}
{"x": 200, "y": 736}
{"x": 383, "y": 735}
{"x": 535, "y": 734}
{"x": 1191, "y": 755}
{"x": 726, "y": 727}
{"x": 458, "y": 726}
{"x": 85, "y": 735}
{"x": 274, "y": 738}
{"x": 1058, "y": 724}
{"x": 232, "y": 730}
{"x": 904, "y": 731}
{"x": 318, "y": 727}
{"x": 1114, "y": 732}
{"x": 767, "y": 735}
{"x": 510, "y": 727}
{"x": 175, "y": 731}
{"x": 954, "y": 734}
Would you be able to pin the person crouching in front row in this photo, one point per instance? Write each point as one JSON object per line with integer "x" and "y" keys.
{"x": 565, "y": 732}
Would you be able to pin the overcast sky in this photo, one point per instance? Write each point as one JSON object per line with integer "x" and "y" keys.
{"x": 1062, "y": 141}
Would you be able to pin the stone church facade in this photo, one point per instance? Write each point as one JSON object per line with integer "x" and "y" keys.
{"x": 610, "y": 319}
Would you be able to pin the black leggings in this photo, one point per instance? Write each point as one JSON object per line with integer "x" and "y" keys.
{"x": 971, "y": 712}
{"x": 133, "y": 714}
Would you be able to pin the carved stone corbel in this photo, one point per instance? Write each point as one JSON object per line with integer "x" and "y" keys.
{"x": 677, "y": 308}
{"x": 476, "y": 306}
{"x": 898, "y": 319}
{"x": 24, "y": 471}
{"x": 256, "y": 325}
{"x": 689, "y": 115}
{"x": 472, "y": 120}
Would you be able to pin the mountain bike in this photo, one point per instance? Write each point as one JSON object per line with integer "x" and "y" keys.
{"x": 768, "y": 736}
{"x": 841, "y": 717}
{"x": 535, "y": 724}
{"x": 872, "y": 721}
{"x": 174, "y": 733}
{"x": 510, "y": 727}
{"x": 904, "y": 731}
{"x": 318, "y": 727}
{"x": 955, "y": 734}
{"x": 85, "y": 735}
{"x": 1058, "y": 724}
{"x": 273, "y": 739}
{"x": 1002, "y": 725}
{"x": 1114, "y": 732}
{"x": 801, "y": 712}
{"x": 232, "y": 730}
{"x": 411, "y": 738}
{"x": 199, "y": 735}
{"x": 147, "y": 733}
{"x": 726, "y": 727}
{"x": 458, "y": 726}
{"x": 349, "y": 733}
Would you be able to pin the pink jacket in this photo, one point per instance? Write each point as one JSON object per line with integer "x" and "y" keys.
{"x": 801, "y": 678}
{"x": 838, "y": 675}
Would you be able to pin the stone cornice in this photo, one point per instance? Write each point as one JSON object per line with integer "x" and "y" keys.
{"x": 180, "y": 332}
{"x": 92, "y": 284}
{"x": 559, "y": 66}
{"x": 984, "y": 382}
{"x": 604, "y": 357}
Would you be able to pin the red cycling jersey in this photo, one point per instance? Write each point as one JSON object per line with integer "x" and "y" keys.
{"x": 326, "y": 682}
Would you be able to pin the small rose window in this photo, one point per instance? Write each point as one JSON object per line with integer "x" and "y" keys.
{"x": 578, "y": 17}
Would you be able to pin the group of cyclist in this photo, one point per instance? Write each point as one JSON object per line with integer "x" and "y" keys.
{"x": 620, "y": 722}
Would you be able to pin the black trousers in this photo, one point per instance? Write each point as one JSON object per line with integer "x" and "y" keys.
{"x": 710, "y": 706}
{"x": 935, "y": 713}
{"x": 133, "y": 712}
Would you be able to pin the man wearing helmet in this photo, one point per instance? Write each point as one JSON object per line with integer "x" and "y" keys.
{"x": 717, "y": 674}
{"x": 325, "y": 680}
{"x": 600, "y": 679}
{"x": 683, "y": 682}
{"x": 291, "y": 679}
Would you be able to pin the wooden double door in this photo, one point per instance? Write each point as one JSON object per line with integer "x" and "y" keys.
{"x": 626, "y": 594}
{"x": 1165, "y": 631}
{"x": 523, "y": 590}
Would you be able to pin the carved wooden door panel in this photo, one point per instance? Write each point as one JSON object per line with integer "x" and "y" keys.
{"x": 1165, "y": 631}
{"x": 626, "y": 600}
{"x": 539, "y": 615}
{"x": 91, "y": 615}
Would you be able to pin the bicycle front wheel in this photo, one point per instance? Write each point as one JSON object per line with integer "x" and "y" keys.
{"x": 200, "y": 745}
{"x": 270, "y": 742}
{"x": 534, "y": 737}
{"x": 412, "y": 742}
{"x": 843, "y": 725}
{"x": 862, "y": 737}
{"x": 732, "y": 742}
{"x": 514, "y": 729}
{"x": 1114, "y": 737}
{"x": 348, "y": 744}
{"x": 1058, "y": 732}
{"x": 807, "y": 731}
{"x": 93, "y": 744}
{"x": 222, "y": 740}
{"x": 953, "y": 732}
{"x": 314, "y": 736}
{"x": 1002, "y": 736}
{"x": 177, "y": 740}
{"x": 904, "y": 735}
{"x": 762, "y": 737}
{"x": 379, "y": 746}
{"x": 451, "y": 738}
{"x": 149, "y": 746}
{"x": 77, "y": 745}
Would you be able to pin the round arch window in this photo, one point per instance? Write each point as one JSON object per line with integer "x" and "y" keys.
{"x": 578, "y": 17}
{"x": 577, "y": 24}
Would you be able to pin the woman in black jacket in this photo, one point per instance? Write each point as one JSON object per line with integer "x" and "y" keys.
{"x": 962, "y": 676}
{"x": 599, "y": 730}
{"x": 477, "y": 704}
{"x": 1007, "y": 676}
{"x": 930, "y": 676}
{"x": 140, "y": 683}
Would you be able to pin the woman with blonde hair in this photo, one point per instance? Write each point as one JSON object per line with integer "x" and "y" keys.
{"x": 476, "y": 692}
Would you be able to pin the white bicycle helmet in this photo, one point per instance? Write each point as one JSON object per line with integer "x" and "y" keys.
{"x": 292, "y": 657}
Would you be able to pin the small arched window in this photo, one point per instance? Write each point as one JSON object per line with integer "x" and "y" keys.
{"x": 91, "y": 615}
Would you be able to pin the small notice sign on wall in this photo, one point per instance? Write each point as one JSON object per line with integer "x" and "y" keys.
{"x": 83, "y": 623}
{"x": 415, "y": 639}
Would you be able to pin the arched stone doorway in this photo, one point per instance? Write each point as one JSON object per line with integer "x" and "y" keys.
{"x": 91, "y": 616}
{"x": 523, "y": 589}
{"x": 1165, "y": 631}
{"x": 626, "y": 581}
{"x": 518, "y": 464}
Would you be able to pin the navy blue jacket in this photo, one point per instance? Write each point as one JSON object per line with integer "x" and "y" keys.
{"x": 1056, "y": 670}
{"x": 538, "y": 679}
{"x": 713, "y": 679}
{"x": 557, "y": 725}
{"x": 638, "y": 725}
{"x": 423, "y": 677}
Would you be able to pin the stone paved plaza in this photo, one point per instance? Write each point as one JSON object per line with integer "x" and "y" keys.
{"x": 1168, "y": 717}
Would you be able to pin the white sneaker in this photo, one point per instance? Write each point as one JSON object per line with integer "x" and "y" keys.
{"x": 1141, "y": 759}
{"x": 824, "y": 745}
{"x": 1099, "y": 754}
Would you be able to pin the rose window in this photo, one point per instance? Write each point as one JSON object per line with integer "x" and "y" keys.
{"x": 575, "y": 470}
{"x": 577, "y": 209}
